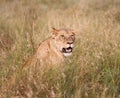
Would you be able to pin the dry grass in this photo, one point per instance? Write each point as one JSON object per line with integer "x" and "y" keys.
{"x": 94, "y": 69}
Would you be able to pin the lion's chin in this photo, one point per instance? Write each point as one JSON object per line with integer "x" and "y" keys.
{"x": 67, "y": 54}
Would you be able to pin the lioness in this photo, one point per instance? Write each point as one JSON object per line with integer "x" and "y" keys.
{"x": 55, "y": 48}
{"x": 51, "y": 51}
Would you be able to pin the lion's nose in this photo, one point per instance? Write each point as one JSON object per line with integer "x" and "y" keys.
{"x": 70, "y": 42}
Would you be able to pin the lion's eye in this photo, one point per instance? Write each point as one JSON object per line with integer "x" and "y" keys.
{"x": 72, "y": 35}
{"x": 62, "y": 36}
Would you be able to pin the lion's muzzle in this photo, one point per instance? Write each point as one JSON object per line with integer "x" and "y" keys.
{"x": 68, "y": 50}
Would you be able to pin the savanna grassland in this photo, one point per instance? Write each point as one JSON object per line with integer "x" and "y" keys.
{"x": 93, "y": 71}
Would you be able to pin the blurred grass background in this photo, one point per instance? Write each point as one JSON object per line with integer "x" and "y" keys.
{"x": 93, "y": 71}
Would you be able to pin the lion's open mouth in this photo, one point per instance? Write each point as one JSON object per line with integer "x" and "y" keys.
{"x": 67, "y": 50}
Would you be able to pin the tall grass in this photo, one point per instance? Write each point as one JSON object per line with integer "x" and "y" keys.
{"x": 91, "y": 72}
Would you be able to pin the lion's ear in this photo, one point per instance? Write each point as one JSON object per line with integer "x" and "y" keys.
{"x": 74, "y": 32}
{"x": 54, "y": 31}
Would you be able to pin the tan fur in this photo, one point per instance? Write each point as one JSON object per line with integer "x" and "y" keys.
{"x": 49, "y": 52}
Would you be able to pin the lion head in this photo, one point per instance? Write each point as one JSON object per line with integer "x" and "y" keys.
{"x": 63, "y": 40}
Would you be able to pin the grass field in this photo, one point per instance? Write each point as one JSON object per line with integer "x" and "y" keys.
{"x": 93, "y": 71}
